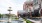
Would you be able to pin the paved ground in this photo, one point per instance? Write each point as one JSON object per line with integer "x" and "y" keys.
{"x": 35, "y": 20}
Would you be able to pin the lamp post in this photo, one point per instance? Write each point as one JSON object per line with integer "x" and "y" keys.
{"x": 9, "y": 16}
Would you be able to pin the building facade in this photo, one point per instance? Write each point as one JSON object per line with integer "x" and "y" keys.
{"x": 28, "y": 5}
{"x": 31, "y": 6}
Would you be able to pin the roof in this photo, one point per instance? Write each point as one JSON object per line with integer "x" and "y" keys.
{"x": 28, "y": 1}
{"x": 21, "y": 11}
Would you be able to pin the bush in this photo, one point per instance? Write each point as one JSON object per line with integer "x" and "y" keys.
{"x": 16, "y": 18}
{"x": 27, "y": 21}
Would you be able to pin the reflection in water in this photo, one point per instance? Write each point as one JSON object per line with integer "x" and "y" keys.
{"x": 13, "y": 21}
{"x": 1, "y": 22}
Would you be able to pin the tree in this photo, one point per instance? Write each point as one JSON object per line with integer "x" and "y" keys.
{"x": 1, "y": 15}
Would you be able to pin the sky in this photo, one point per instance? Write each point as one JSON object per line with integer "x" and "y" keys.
{"x": 15, "y": 4}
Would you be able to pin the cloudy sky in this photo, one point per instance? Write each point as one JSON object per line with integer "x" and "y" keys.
{"x": 15, "y": 4}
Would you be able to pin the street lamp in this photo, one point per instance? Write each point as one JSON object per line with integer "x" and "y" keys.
{"x": 9, "y": 16}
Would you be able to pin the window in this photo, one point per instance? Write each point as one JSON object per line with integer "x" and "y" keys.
{"x": 35, "y": 2}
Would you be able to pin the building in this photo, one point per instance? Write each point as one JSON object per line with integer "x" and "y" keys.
{"x": 28, "y": 5}
{"x": 32, "y": 7}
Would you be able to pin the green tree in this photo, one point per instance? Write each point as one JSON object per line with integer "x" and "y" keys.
{"x": 1, "y": 15}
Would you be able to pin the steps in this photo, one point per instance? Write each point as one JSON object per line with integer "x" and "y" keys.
{"x": 34, "y": 21}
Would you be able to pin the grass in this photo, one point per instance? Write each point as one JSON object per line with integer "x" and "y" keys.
{"x": 16, "y": 18}
{"x": 27, "y": 21}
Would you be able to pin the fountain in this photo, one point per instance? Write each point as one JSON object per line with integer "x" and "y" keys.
{"x": 9, "y": 17}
